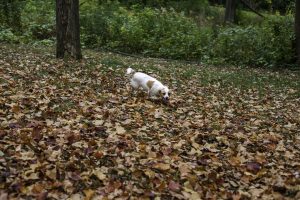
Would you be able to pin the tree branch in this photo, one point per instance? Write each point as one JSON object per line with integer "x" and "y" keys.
{"x": 252, "y": 9}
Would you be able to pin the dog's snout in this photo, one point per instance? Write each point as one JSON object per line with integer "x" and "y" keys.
{"x": 166, "y": 98}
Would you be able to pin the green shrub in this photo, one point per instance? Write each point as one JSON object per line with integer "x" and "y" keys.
{"x": 267, "y": 45}
{"x": 7, "y": 35}
{"x": 100, "y": 22}
{"x": 165, "y": 32}
{"x": 154, "y": 32}
{"x": 38, "y": 20}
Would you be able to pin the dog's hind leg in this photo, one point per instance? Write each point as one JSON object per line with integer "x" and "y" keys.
{"x": 149, "y": 93}
{"x": 134, "y": 86}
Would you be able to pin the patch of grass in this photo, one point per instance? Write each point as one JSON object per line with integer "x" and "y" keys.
{"x": 65, "y": 106}
{"x": 188, "y": 73}
{"x": 248, "y": 78}
{"x": 112, "y": 62}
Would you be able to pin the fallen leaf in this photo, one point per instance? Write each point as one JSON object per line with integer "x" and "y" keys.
{"x": 174, "y": 186}
{"x": 162, "y": 166}
{"x": 99, "y": 174}
{"x": 88, "y": 194}
{"x": 253, "y": 167}
{"x": 120, "y": 130}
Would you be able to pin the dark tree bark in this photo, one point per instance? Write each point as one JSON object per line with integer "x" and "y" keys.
{"x": 67, "y": 28}
{"x": 230, "y": 12}
{"x": 297, "y": 30}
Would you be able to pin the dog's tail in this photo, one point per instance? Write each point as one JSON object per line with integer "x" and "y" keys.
{"x": 130, "y": 72}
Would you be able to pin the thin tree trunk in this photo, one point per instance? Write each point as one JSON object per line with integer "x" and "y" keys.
{"x": 73, "y": 29}
{"x": 6, "y": 11}
{"x": 230, "y": 11}
{"x": 67, "y": 28}
{"x": 297, "y": 30}
{"x": 61, "y": 27}
{"x": 16, "y": 15}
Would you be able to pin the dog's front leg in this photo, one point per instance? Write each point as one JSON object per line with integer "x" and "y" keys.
{"x": 149, "y": 93}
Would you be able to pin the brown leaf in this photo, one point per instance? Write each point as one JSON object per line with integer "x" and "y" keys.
{"x": 162, "y": 166}
{"x": 88, "y": 194}
{"x": 120, "y": 130}
{"x": 2, "y": 134}
{"x": 235, "y": 161}
{"x": 16, "y": 108}
{"x": 184, "y": 169}
{"x": 174, "y": 186}
{"x": 236, "y": 197}
{"x": 36, "y": 133}
{"x": 4, "y": 196}
{"x": 112, "y": 186}
{"x": 98, "y": 154}
{"x": 150, "y": 173}
{"x": 99, "y": 174}
{"x": 253, "y": 167}
{"x": 42, "y": 196}
{"x": 51, "y": 174}
{"x": 98, "y": 122}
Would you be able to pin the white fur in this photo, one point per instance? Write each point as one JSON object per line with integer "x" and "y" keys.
{"x": 140, "y": 80}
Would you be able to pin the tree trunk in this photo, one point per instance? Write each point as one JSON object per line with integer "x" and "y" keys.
{"x": 297, "y": 30}
{"x": 230, "y": 11}
{"x": 67, "y": 28}
{"x": 5, "y": 11}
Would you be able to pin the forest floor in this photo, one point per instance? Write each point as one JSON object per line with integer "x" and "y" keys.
{"x": 72, "y": 129}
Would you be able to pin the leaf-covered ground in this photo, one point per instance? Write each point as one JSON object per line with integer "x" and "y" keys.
{"x": 73, "y": 130}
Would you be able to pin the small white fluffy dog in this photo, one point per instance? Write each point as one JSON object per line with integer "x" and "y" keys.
{"x": 148, "y": 83}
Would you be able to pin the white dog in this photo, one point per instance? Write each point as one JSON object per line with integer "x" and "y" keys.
{"x": 148, "y": 83}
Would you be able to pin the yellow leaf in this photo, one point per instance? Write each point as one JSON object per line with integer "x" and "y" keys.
{"x": 98, "y": 122}
{"x": 88, "y": 194}
{"x": 162, "y": 166}
{"x": 100, "y": 175}
{"x": 150, "y": 173}
{"x": 51, "y": 174}
{"x": 120, "y": 129}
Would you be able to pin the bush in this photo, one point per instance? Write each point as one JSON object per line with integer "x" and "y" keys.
{"x": 100, "y": 23}
{"x": 7, "y": 35}
{"x": 154, "y": 32}
{"x": 267, "y": 45}
{"x": 167, "y": 33}
{"x": 40, "y": 23}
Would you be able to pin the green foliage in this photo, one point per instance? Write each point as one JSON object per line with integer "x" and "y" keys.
{"x": 37, "y": 22}
{"x": 100, "y": 23}
{"x": 179, "y": 5}
{"x": 40, "y": 23}
{"x": 169, "y": 34}
{"x": 10, "y": 14}
{"x": 195, "y": 6}
{"x": 267, "y": 45}
{"x": 143, "y": 27}
{"x": 154, "y": 32}
{"x": 161, "y": 33}
{"x": 7, "y": 35}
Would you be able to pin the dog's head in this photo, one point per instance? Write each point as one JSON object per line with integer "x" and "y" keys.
{"x": 165, "y": 92}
